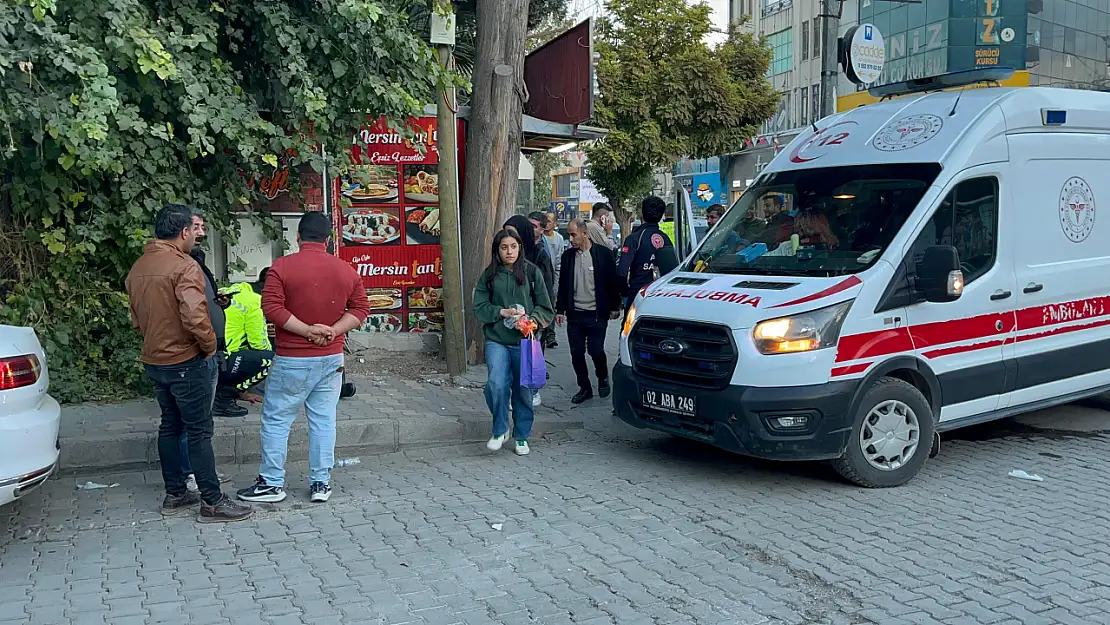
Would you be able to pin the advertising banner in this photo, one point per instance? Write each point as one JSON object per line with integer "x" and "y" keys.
{"x": 388, "y": 220}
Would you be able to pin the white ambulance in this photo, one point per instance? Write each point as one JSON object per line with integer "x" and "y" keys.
{"x": 899, "y": 270}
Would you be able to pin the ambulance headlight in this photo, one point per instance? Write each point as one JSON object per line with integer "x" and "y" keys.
{"x": 629, "y": 321}
{"x": 817, "y": 329}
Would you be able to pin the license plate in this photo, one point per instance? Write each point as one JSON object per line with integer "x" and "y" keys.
{"x": 673, "y": 403}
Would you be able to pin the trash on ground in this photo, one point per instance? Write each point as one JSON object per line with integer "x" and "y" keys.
{"x": 346, "y": 462}
{"x": 497, "y": 526}
{"x": 94, "y": 486}
{"x": 1022, "y": 475}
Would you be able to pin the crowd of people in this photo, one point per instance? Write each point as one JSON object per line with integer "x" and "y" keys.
{"x": 533, "y": 272}
{"x": 203, "y": 349}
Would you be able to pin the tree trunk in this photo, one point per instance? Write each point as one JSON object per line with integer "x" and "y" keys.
{"x": 624, "y": 217}
{"x": 493, "y": 144}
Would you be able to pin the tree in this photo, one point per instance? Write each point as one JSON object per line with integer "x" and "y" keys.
{"x": 108, "y": 110}
{"x": 667, "y": 93}
{"x": 493, "y": 143}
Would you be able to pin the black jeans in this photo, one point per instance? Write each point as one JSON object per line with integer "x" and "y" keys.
{"x": 184, "y": 393}
{"x": 586, "y": 334}
{"x": 244, "y": 369}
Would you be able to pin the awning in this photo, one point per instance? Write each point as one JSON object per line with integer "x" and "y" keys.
{"x": 540, "y": 135}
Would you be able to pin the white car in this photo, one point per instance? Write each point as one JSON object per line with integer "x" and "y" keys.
{"x": 29, "y": 417}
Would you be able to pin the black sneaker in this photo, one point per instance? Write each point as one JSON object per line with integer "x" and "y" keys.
{"x": 262, "y": 492}
{"x": 319, "y": 492}
{"x": 582, "y": 396}
{"x": 172, "y": 505}
{"x": 225, "y": 510}
{"x": 603, "y": 389}
{"x": 228, "y": 408}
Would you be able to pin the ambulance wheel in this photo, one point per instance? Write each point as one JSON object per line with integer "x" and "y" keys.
{"x": 891, "y": 438}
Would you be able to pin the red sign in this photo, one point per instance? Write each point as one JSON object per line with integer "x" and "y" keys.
{"x": 398, "y": 266}
{"x": 376, "y": 144}
{"x": 387, "y": 217}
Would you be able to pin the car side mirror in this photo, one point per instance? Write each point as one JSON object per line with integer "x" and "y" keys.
{"x": 939, "y": 277}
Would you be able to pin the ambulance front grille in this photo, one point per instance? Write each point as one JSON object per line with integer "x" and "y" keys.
{"x": 705, "y": 356}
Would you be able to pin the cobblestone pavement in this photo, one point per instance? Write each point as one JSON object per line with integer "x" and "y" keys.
{"x": 592, "y": 529}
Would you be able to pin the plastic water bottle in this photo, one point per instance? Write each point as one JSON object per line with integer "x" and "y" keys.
{"x": 346, "y": 462}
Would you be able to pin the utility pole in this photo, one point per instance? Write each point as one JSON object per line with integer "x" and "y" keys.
{"x": 454, "y": 304}
{"x": 830, "y": 31}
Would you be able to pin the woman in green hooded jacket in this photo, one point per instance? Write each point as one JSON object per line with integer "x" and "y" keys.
{"x": 509, "y": 281}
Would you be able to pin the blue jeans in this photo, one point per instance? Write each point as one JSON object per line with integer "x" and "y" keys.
{"x": 294, "y": 382}
{"x": 186, "y": 464}
{"x": 503, "y": 385}
{"x": 184, "y": 393}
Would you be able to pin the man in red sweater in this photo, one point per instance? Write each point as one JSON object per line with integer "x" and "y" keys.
{"x": 313, "y": 300}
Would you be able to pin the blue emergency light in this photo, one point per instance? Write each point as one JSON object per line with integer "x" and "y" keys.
{"x": 1051, "y": 117}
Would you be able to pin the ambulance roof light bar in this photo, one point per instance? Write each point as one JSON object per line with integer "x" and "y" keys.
{"x": 991, "y": 75}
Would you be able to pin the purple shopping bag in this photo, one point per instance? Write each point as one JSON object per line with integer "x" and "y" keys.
{"x": 533, "y": 369}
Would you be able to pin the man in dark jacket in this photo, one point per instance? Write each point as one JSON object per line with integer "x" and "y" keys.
{"x": 647, "y": 252}
{"x": 589, "y": 297}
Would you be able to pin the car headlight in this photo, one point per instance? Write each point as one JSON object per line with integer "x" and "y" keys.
{"x": 817, "y": 329}
{"x": 629, "y": 321}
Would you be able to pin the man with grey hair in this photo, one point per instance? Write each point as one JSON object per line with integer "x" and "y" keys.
{"x": 169, "y": 307}
{"x": 588, "y": 298}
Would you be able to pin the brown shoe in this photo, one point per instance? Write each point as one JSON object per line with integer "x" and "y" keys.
{"x": 172, "y": 505}
{"x": 225, "y": 511}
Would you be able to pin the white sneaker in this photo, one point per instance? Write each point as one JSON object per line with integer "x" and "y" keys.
{"x": 536, "y": 401}
{"x": 191, "y": 483}
{"x": 522, "y": 448}
{"x": 496, "y": 442}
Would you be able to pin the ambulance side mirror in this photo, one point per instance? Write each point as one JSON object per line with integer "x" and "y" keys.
{"x": 939, "y": 277}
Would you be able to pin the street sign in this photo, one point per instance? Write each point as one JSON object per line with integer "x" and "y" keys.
{"x": 865, "y": 54}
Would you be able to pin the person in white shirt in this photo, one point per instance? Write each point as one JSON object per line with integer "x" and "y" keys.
{"x": 555, "y": 245}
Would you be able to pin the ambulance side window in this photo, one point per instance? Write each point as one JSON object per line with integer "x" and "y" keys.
{"x": 968, "y": 220}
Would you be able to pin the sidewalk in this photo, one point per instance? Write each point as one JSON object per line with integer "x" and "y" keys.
{"x": 388, "y": 414}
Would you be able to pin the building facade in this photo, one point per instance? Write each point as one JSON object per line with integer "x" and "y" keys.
{"x": 1059, "y": 43}
{"x": 792, "y": 29}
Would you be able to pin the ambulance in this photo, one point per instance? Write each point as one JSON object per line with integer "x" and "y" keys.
{"x": 898, "y": 271}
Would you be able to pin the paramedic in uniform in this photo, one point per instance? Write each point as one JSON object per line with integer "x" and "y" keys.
{"x": 647, "y": 251}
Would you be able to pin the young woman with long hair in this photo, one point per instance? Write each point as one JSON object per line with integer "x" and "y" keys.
{"x": 509, "y": 281}
{"x": 535, "y": 253}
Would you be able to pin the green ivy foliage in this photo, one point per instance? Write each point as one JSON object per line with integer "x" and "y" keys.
{"x": 111, "y": 108}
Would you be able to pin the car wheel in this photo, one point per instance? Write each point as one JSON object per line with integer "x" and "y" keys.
{"x": 891, "y": 438}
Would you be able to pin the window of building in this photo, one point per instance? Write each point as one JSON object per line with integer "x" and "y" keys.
{"x": 803, "y": 117}
{"x": 782, "y": 52}
{"x": 968, "y": 220}
{"x": 805, "y": 40}
{"x": 816, "y": 39}
{"x": 815, "y": 93}
{"x": 563, "y": 184}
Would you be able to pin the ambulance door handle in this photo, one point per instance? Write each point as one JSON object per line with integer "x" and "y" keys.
{"x": 1032, "y": 288}
{"x": 997, "y": 295}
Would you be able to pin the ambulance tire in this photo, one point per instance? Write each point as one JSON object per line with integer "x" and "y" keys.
{"x": 854, "y": 467}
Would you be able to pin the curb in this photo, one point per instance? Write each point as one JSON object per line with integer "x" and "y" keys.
{"x": 241, "y": 445}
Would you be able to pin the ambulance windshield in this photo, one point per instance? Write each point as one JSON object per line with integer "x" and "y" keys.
{"x": 815, "y": 222}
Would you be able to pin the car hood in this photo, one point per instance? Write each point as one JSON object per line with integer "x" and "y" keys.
{"x": 740, "y": 301}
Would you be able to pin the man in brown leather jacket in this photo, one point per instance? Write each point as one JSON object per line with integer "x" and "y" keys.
{"x": 169, "y": 307}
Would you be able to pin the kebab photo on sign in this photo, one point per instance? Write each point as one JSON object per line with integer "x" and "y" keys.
{"x": 371, "y": 226}
{"x": 384, "y": 299}
{"x": 422, "y": 225}
{"x": 371, "y": 184}
{"x": 421, "y": 184}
